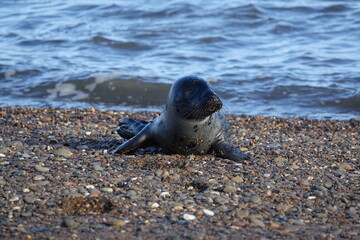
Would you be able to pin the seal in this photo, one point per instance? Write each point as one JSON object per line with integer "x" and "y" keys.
{"x": 191, "y": 123}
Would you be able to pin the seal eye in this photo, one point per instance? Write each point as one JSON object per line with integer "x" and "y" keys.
{"x": 189, "y": 92}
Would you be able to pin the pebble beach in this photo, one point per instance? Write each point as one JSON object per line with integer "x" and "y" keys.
{"x": 58, "y": 180}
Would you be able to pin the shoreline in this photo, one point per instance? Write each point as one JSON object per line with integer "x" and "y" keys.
{"x": 57, "y": 179}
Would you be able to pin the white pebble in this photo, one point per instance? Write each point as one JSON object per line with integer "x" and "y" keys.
{"x": 39, "y": 178}
{"x": 26, "y": 190}
{"x": 208, "y": 212}
{"x": 90, "y": 186}
{"x": 163, "y": 194}
{"x": 189, "y": 217}
{"x": 2, "y": 155}
{"x": 267, "y": 175}
{"x": 311, "y": 197}
{"x": 155, "y": 205}
{"x": 107, "y": 189}
{"x": 88, "y": 133}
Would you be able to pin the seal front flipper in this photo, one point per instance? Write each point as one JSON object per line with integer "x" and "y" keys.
{"x": 129, "y": 127}
{"x": 224, "y": 150}
{"x": 139, "y": 140}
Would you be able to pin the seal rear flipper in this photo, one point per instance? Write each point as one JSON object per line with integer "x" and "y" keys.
{"x": 224, "y": 150}
{"x": 141, "y": 139}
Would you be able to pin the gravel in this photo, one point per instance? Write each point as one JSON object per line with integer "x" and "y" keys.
{"x": 58, "y": 181}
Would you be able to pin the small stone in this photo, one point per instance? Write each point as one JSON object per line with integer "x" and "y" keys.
{"x": 98, "y": 168}
{"x": 221, "y": 200}
{"x": 14, "y": 198}
{"x": 351, "y": 211}
{"x": 279, "y": 159}
{"x": 95, "y": 193}
{"x": 291, "y": 228}
{"x": 229, "y": 189}
{"x": 255, "y": 199}
{"x": 344, "y": 167}
{"x": 131, "y": 193}
{"x": 237, "y": 179}
{"x": 282, "y": 207}
{"x": 41, "y": 169}
{"x": 2, "y": 155}
{"x": 15, "y": 144}
{"x": 159, "y": 172}
{"x": 155, "y": 205}
{"x": 68, "y": 223}
{"x": 178, "y": 208}
{"x": 19, "y": 173}
{"x": 39, "y": 177}
{"x": 62, "y": 152}
{"x": 208, "y": 212}
{"x": 304, "y": 182}
{"x": 107, "y": 189}
{"x": 257, "y": 223}
{"x": 164, "y": 194}
{"x": 189, "y": 217}
{"x": 240, "y": 214}
{"x": 29, "y": 199}
{"x": 116, "y": 223}
{"x": 274, "y": 224}
{"x": 328, "y": 184}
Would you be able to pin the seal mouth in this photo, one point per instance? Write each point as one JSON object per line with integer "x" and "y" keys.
{"x": 214, "y": 103}
{"x": 210, "y": 104}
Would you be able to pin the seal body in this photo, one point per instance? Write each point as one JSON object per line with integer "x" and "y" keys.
{"x": 191, "y": 123}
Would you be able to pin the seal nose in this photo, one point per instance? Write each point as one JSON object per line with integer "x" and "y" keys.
{"x": 215, "y": 103}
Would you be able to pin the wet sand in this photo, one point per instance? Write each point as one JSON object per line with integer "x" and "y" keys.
{"x": 58, "y": 181}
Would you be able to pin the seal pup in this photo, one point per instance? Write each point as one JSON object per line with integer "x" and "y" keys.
{"x": 191, "y": 123}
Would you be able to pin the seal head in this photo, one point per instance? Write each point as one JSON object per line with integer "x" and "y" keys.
{"x": 193, "y": 98}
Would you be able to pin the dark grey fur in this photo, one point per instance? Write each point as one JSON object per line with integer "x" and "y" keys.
{"x": 190, "y": 124}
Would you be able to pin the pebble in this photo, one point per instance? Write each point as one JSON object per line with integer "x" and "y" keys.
{"x": 19, "y": 173}
{"x": 41, "y": 169}
{"x": 131, "y": 193}
{"x": 155, "y": 205}
{"x": 164, "y": 194}
{"x": 68, "y": 223}
{"x": 95, "y": 193}
{"x": 107, "y": 189}
{"x": 221, "y": 200}
{"x": 39, "y": 177}
{"x": 240, "y": 214}
{"x": 14, "y": 198}
{"x": 159, "y": 172}
{"x": 189, "y": 217}
{"x": 29, "y": 199}
{"x": 237, "y": 179}
{"x": 208, "y": 212}
{"x": 116, "y": 223}
{"x": 63, "y": 152}
{"x": 291, "y": 228}
{"x": 257, "y": 223}
{"x": 328, "y": 184}
{"x": 98, "y": 167}
{"x": 229, "y": 189}
{"x": 255, "y": 199}
{"x": 344, "y": 167}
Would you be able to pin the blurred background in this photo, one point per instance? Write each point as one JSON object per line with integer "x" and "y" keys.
{"x": 272, "y": 58}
